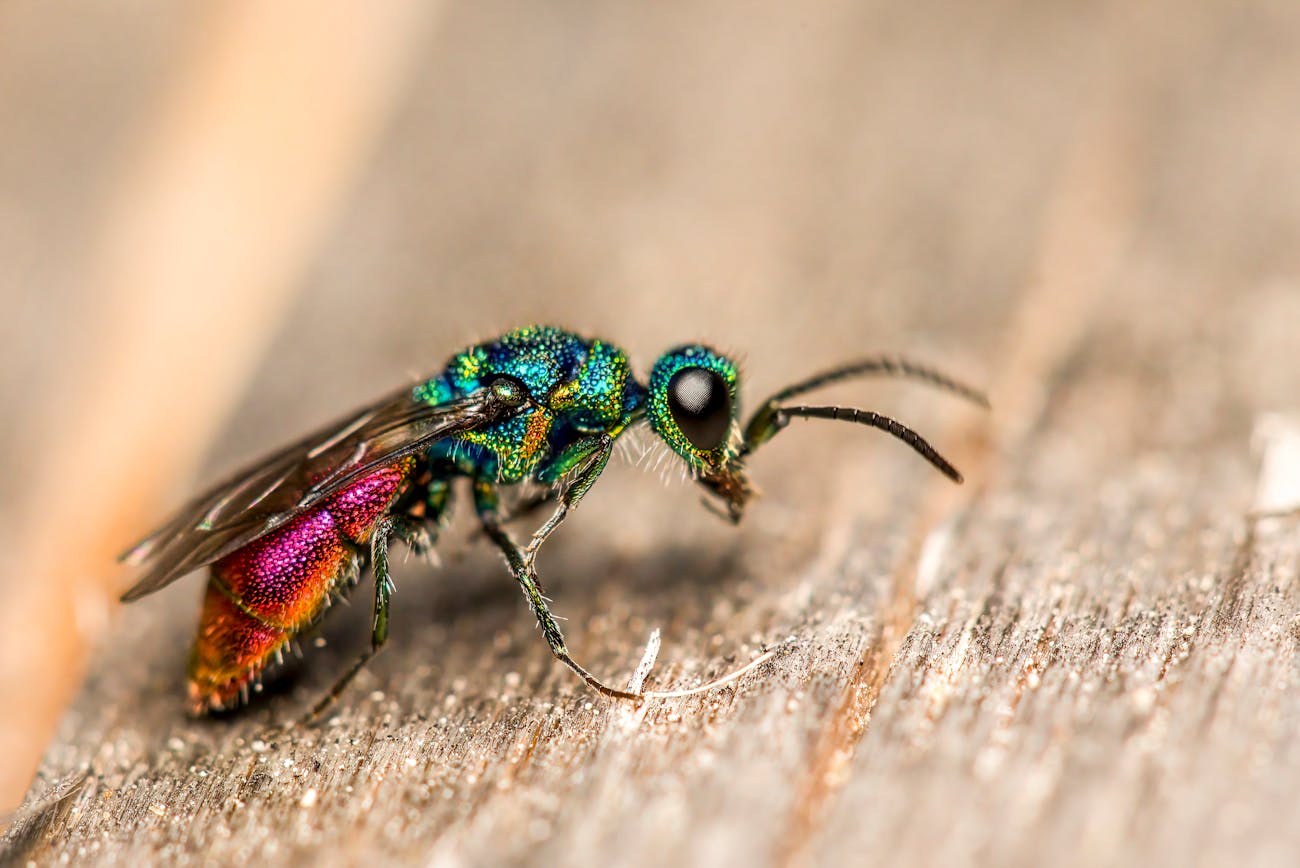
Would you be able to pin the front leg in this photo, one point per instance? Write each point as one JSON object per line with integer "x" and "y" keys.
{"x": 521, "y": 567}
{"x": 589, "y": 458}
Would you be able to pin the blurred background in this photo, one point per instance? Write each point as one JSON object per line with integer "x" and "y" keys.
{"x": 221, "y": 224}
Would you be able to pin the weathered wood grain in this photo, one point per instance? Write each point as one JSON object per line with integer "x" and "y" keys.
{"x": 1089, "y": 654}
{"x": 1092, "y": 680}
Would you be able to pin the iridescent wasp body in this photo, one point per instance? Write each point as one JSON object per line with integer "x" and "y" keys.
{"x": 286, "y": 536}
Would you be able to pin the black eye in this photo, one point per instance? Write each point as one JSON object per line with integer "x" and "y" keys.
{"x": 701, "y": 406}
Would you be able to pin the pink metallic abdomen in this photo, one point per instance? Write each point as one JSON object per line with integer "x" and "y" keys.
{"x": 261, "y": 596}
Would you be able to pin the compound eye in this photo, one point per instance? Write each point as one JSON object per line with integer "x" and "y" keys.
{"x": 700, "y": 403}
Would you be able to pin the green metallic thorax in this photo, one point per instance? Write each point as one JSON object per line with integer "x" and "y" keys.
{"x": 581, "y": 389}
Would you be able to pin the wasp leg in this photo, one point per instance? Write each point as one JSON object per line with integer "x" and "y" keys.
{"x": 525, "y": 507}
{"x": 589, "y": 458}
{"x": 437, "y": 495}
{"x": 521, "y": 568}
{"x": 388, "y": 526}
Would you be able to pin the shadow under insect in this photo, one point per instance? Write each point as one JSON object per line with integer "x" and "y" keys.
{"x": 466, "y": 617}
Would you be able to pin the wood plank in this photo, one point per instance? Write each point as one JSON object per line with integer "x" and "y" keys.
{"x": 1087, "y": 655}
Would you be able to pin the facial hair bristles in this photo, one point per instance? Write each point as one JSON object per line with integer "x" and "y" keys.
{"x": 643, "y": 443}
{"x": 627, "y": 449}
{"x": 656, "y": 464}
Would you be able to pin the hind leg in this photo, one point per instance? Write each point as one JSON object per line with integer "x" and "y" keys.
{"x": 418, "y": 536}
{"x": 387, "y": 527}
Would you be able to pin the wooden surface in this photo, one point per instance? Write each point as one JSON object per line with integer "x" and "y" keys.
{"x": 1086, "y": 655}
{"x": 188, "y": 252}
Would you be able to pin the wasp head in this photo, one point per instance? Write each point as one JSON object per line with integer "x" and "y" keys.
{"x": 693, "y": 406}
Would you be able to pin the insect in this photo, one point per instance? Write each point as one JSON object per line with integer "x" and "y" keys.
{"x": 286, "y": 536}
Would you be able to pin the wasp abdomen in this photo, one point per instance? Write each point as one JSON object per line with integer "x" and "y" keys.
{"x": 262, "y": 595}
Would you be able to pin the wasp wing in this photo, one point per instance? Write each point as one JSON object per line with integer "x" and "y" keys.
{"x": 264, "y": 496}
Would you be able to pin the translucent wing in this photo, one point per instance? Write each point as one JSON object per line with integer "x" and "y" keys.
{"x": 263, "y": 497}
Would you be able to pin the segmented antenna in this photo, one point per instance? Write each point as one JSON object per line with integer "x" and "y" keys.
{"x": 873, "y": 420}
{"x": 890, "y": 366}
